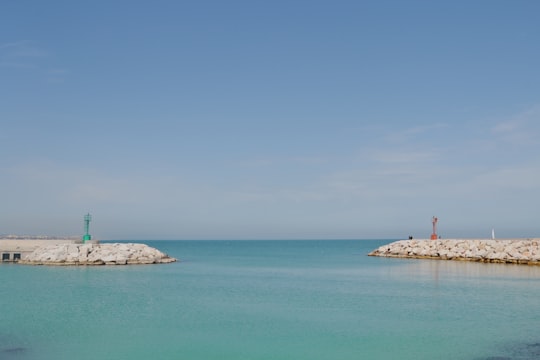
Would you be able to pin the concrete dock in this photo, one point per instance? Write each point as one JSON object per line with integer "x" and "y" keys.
{"x": 13, "y": 248}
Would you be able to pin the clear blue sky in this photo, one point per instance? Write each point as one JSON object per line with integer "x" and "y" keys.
{"x": 270, "y": 119}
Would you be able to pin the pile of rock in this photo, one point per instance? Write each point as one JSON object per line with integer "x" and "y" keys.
{"x": 495, "y": 251}
{"x": 96, "y": 254}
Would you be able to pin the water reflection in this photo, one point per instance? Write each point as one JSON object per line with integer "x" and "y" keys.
{"x": 435, "y": 269}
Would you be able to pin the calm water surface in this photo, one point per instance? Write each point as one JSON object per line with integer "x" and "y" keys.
{"x": 271, "y": 300}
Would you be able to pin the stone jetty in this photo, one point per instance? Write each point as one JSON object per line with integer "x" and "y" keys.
{"x": 511, "y": 251}
{"x": 95, "y": 254}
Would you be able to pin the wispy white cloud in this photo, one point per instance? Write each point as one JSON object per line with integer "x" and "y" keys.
{"x": 410, "y": 133}
{"x": 398, "y": 156}
{"x": 25, "y": 54}
{"x": 20, "y": 54}
{"x": 21, "y": 49}
{"x": 267, "y": 161}
{"x": 5, "y": 63}
{"x": 57, "y": 75}
{"x": 523, "y": 177}
{"x": 521, "y": 129}
{"x": 505, "y": 127}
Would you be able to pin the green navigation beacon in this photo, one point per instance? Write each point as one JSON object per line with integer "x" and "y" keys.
{"x": 87, "y": 236}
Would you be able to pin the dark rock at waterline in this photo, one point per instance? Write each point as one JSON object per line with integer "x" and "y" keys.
{"x": 12, "y": 353}
{"x": 534, "y": 350}
{"x": 519, "y": 352}
{"x": 527, "y": 351}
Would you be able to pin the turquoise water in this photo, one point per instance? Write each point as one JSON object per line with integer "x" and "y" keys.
{"x": 271, "y": 300}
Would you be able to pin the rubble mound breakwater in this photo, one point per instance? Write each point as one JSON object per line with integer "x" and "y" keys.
{"x": 96, "y": 254}
{"x": 514, "y": 251}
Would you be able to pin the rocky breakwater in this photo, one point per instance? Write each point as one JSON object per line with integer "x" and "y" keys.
{"x": 526, "y": 251}
{"x": 96, "y": 254}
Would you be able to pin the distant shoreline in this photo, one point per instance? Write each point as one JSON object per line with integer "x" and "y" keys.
{"x": 38, "y": 237}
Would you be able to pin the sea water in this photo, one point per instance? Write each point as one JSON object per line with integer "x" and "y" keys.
{"x": 271, "y": 300}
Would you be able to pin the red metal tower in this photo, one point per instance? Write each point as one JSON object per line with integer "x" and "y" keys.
{"x": 434, "y": 234}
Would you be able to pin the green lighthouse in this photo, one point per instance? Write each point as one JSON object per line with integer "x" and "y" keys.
{"x": 87, "y": 219}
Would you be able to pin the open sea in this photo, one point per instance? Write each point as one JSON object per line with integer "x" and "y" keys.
{"x": 271, "y": 300}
